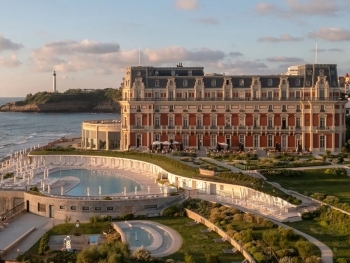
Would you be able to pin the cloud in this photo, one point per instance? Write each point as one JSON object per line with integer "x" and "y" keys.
{"x": 294, "y": 8}
{"x": 319, "y": 50}
{"x": 284, "y": 59}
{"x": 104, "y": 58}
{"x": 104, "y": 72}
{"x": 282, "y": 38}
{"x": 313, "y": 7}
{"x": 7, "y": 44}
{"x": 186, "y": 4}
{"x": 209, "y": 20}
{"x": 176, "y": 53}
{"x": 265, "y": 9}
{"x": 10, "y": 62}
{"x": 331, "y": 34}
{"x": 235, "y": 54}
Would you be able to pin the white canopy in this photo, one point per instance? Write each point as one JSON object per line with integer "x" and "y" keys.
{"x": 175, "y": 142}
{"x": 166, "y": 143}
{"x": 222, "y": 143}
{"x": 156, "y": 143}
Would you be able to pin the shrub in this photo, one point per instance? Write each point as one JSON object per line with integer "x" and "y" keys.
{"x": 141, "y": 254}
{"x": 342, "y": 260}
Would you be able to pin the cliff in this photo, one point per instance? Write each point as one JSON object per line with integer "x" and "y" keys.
{"x": 68, "y": 106}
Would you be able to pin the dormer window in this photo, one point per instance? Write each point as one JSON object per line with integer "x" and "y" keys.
{"x": 190, "y": 73}
{"x": 297, "y": 82}
{"x": 171, "y": 82}
{"x": 213, "y": 82}
{"x": 283, "y": 82}
{"x": 156, "y": 73}
{"x": 269, "y": 82}
{"x": 173, "y": 73}
{"x": 227, "y": 82}
{"x": 185, "y": 83}
{"x": 255, "y": 82}
{"x": 199, "y": 82}
{"x": 241, "y": 82}
{"x": 156, "y": 83}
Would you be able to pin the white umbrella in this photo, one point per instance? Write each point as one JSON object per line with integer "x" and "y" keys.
{"x": 166, "y": 143}
{"x": 156, "y": 143}
{"x": 222, "y": 143}
{"x": 175, "y": 142}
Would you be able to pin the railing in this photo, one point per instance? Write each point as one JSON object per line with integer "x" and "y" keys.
{"x": 239, "y": 99}
{"x": 9, "y": 214}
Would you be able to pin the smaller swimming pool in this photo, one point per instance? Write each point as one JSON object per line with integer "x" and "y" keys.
{"x": 138, "y": 236}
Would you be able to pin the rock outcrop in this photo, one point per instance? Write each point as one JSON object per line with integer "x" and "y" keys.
{"x": 67, "y": 106}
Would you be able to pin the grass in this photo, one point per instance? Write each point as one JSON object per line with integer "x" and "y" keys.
{"x": 316, "y": 180}
{"x": 340, "y": 244}
{"x": 194, "y": 242}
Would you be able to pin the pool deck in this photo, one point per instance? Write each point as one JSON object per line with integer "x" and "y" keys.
{"x": 158, "y": 248}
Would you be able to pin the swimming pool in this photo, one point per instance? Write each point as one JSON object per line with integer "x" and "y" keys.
{"x": 138, "y": 236}
{"x": 93, "y": 180}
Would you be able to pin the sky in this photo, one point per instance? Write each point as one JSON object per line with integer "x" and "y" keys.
{"x": 89, "y": 43}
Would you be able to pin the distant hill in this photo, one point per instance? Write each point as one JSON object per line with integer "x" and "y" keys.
{"x": 73, "y": 100}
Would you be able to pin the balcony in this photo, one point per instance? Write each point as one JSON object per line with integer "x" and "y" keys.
{"x": 213, "y": 127}
{"x": 228, "y": 110}
{"x": 241, "y": 127}
{"x": 298, "y": 127}
{"x": 171, "y": 127}
{"x": 270, "y": 110}
{"x": 284, "y": 110}
{"x": 228, "y": 126}
{"x": 138, "y": 127}
{"x": 213, "y": 110}
{"x": 298, "y": 110}
{"x": 156, "y": 127}
{"x": 256, "y": 110}
{"x": 156, "y": 110}
{"x": 185, "y": 127}
{"x": 323, "y": 129}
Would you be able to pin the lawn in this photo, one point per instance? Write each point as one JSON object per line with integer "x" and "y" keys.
{"x": 340, "y": 244}
{"x": 316, "y": 180}
{"x": 194, "y": 242}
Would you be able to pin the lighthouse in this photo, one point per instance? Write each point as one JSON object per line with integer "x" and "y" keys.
{"x": 54, "y": 82}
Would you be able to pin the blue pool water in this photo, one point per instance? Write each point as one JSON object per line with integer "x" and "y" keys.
{"x": 110, "y": 182}
{"x": 137, "y": 237}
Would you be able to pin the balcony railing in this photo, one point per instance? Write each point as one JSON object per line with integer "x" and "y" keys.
{"x": 238, "y": 99}
{"x": 138, "y": 127}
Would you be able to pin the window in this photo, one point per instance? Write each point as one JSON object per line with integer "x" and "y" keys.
{"x": 138, "y": 108}
{"x": 171, "y": 108}
{"x": 322, "y": 108}
{"x": 255, "y": 82}
{"x": 227, "y": 107}
{"x": 255, "y": 94}
{"x": 98, "y": 208}
{"x": 321, "y": 94}
{"x": 284, "y": 141}
{"x": 156, "y": 108}
{"x": 256, "y": 121}
{"x": 269, "y": 121}
{"x": 241, "y": 121}
{"x": 241, "y": 139}
{"x": 213, "y": 82}
{"x": 156, "y": 121}
{"x": 298, "y": 108}
{"x": 173, "y": 73}
{"x": 109, "y": 208}
{"x": 284, "y": 123}
{"x": 213, "y": 121}
{"x": 185, "y": 139}
{"x": 185, "y": 83}
{"x": 227, "y": 121}
{"x": 73, "y": 207}
{"x": 297, "y": 94}
{"x": 199, "y": 82}
{"x": 86, "y": 208}
{"x": 269, "y": 95}
{"x": 41, "y": 207}
{"x": 185, "y": 121}
{"x": 171, "y": 122}
{"x": 150, "y": 206}
{"x": 185, "y": 107}
{"x": 156, "y": 83}
{"x": 284, "y": 94}
{"x": 171, "y": 82}
{"x": 213, "y": 141}
{"x": 241, "y": 82}
{"x": 227, "y": 82}
{"x": 190, "y": 73}
{"x": 171, "y": 137}
{"x": 284, "y": 108}
{"x": 242, "y": 95}
{"x": 322, "y": 142}
{"x": 256, "y": 140}
{"x": 138, "y": 121}
{"x": 270, "y": 107}
{"x": 156, "y": 95}
{"x": 199, "y": 121}
{"x": 322, "y": 122}
{"x": 213, "y": 107}
{"x": 171, "y": 94}
{"x": 62, "y": 207}
{"x": 297, "y": 122}
{"x": 283, "y": 82}
{"x": 297, "y": 82}
{"x": 199, "y": 107}
{"x": 269, "y": 140}
{"x": 256, "y": 107}
{"x": 269, "y": 82}
{"x": 157, "y": 137}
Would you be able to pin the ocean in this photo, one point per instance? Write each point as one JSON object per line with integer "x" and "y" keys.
{"x": 24, "y": 130}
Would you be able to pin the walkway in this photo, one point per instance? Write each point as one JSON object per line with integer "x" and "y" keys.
{"x": 21, "y": 225}
{"x": 326, "y": 252}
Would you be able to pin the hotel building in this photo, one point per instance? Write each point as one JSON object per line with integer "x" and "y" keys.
{"x": 303, "y": 111}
